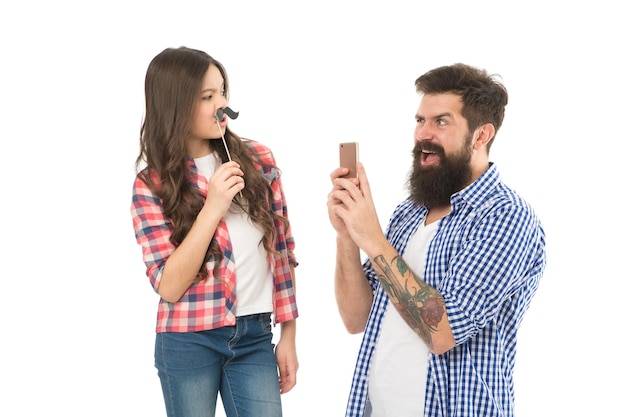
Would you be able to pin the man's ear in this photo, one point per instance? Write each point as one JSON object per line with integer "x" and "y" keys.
{"x": 483, "y": 135}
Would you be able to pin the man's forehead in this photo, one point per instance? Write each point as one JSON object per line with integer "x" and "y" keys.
{"x": 435, "y": 104}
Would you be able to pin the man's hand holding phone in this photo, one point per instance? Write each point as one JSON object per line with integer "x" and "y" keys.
{"x": 348, "y": 159}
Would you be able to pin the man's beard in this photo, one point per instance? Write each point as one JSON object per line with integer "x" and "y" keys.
{"x": 433, "y": 186}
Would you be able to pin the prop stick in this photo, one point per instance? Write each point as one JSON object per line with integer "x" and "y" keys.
{"x": 219, "y": 115}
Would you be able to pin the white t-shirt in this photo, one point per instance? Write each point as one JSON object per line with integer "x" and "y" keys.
{"x": 254, "y": 285}
{"x": 397, "y": 378}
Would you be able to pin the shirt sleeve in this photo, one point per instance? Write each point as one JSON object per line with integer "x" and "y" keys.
{"x": 152, "y": 230}
{"x": 279, "y": 201}
{"x": 277, "y": 186}
{"x": 497, "y": 263}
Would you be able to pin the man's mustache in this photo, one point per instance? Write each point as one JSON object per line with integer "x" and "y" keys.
{"x": 428, "y": 147}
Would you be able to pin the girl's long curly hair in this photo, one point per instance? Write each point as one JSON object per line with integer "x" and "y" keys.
{"x": 173, "y": 86}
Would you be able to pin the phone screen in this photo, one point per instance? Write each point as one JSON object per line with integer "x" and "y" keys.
{"x": 348, "y": 157}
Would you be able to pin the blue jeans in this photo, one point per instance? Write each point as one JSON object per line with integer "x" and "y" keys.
{"x": 236, "y": 361}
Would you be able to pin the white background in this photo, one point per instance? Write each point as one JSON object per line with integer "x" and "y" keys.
{"x": 78, "y": 312}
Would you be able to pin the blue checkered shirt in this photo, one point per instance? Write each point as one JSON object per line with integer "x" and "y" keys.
{"x": 486, "y": 259}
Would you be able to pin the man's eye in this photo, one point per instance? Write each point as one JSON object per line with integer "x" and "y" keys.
{"x": 441, "y": 122}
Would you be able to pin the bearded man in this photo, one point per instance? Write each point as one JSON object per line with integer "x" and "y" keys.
{"x": 441, "y": 294}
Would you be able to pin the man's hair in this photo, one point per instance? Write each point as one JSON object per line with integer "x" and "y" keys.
{"x": 483, "y": 95}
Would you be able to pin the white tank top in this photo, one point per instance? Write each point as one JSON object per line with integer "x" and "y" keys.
{"x": 254, "y": 283}
{"x": 397, "y": 379}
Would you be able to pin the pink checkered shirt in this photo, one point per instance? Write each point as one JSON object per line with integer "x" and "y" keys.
{"x": 211, "y": 302}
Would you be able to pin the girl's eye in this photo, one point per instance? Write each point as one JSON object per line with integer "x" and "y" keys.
{"x": 223, "y": 93}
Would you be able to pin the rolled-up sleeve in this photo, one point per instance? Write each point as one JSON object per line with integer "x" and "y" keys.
{"x": 152, "y": 230}
{"x": 490, "y": 269}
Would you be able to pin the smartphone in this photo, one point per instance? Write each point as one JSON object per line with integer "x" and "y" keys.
{"x": 348, "y": 157}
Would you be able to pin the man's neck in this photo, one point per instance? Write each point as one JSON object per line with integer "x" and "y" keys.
{"x": 437, "y": 213}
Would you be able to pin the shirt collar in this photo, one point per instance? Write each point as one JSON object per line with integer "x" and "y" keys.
{"x": 479, "y": 191}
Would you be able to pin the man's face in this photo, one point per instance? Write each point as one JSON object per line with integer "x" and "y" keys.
{"x": 443, "y": 151}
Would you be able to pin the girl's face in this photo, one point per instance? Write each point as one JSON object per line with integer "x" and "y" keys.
{"x": 211, "y": 98}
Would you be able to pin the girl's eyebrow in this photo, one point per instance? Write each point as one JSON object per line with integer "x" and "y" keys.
{"x": 211, "y": 89}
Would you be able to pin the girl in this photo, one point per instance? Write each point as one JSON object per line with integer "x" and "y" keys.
{"x": 209, "y": 212}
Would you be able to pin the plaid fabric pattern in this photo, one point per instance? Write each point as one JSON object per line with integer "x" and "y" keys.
{"x": 211, "y": 302}
{"x": 486, "y": 259}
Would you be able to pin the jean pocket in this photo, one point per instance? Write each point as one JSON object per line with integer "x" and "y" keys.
{"x": 265, "y": 319}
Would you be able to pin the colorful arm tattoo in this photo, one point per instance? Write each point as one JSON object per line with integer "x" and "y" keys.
{"x": 420, "y": 305}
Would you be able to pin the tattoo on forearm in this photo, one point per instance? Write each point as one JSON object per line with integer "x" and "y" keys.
{"x": 419, "y": 304}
